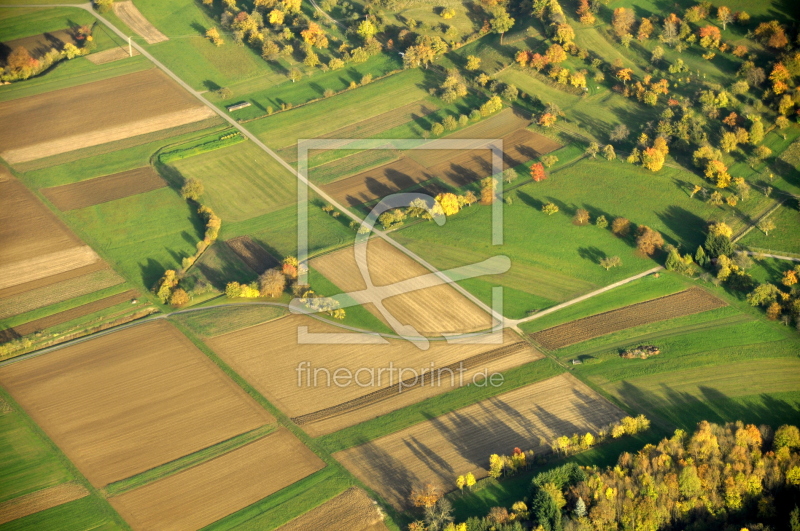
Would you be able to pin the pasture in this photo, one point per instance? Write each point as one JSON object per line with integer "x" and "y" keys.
{"x": 241, "y": 181}
{"x": 131, "y": 400}
{"x": 431, "y": 306}
{"x": 103, "y": 189}
{"x": 783, "y": 238}
{"x": 268, "y": 357}
{"x": 459, "y": 442}
{"x": 212, "y": 322}
{"x": 353, "y": 510}
{"x": 129, "y": 105}
{"x": 679, "y": 304}
{"x": 201, "y": 495}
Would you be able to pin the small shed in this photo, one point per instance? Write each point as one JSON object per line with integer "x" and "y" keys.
{"x": 577, "y": 362}
{"x": 237, "y": 106}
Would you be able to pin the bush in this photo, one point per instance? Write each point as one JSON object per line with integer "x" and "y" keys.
{"x": 103, "y": 6}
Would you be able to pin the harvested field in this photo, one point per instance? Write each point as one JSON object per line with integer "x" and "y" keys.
{"x": 38, "y": 45}
{"x": 35, "y": 243}
{"x": 74, "y": 313}
{"x": 40, "y": 500}
{"x": 690, "y": 301}
{"x": 110, "y": 55}
{"x": 58, "y": 292}
{"x": 95, "y": 113}
{"x": 131, "y": 16}
{"x": 433, "y": 311}
{"x": 268, "y": 355}
{"x": 52, "y": 279}
{"x": 353, "y": 510}
{"x": 377, "y": 182}
{"x": 203, "y": 494}
{"x": 131, "y": 400}
{"x": 103, "y": 189}
{"x": 350, "y": 164}
{"x": 459, "y": 442}
{"x": 252, "y": 254}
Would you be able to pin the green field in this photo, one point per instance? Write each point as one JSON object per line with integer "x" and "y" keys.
{"x": 782, "y": 238}
{"x": 217, "y": 321}
{"x": 241, "y": 181}
{"x": 19, "y": 23}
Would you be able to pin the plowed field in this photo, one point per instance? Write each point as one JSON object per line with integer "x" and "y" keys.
{"x": 103, "y": 189}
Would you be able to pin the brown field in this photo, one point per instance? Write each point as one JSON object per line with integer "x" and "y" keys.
{"x": 131, "y": 16}
{"x": 40, "y": 500}
{"x": 459, "y": 442}
{"x": 95, "y": 113}
{"x": 433, "y": 311}
{"x": 103, "y": 189}
{"x": 252, "y": 254}
{"x": 268, "y": 355}
{"x": 74, "y": 313}
{"x": 35, "y": 243}
{"x": 351, "y": 164}
{"x": 126, "y": 402}
{"x": 110, "y": 55}
{"x": 200, "y": 495}
{"x": 53, "y": 279}
{"x": 38, "y": 45}
{"x": 40, "y": 297}
{"x": 352, "y": 510}
{"x": 377, "y": 182}
{"x": 693, "y": 300}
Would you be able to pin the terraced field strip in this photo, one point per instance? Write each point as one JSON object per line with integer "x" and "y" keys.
{"x": 203, "y": 494}
{"x": 693, "y": 300}
{"x": 433, "y": 311}
{"x": 75, "y": 313}
{"x": 352, "y": 510}
{"x": 110, "y": 55}
{"x": 131, "y": 16}
{"x": 40, "y": 500}
{"x": 444, "y": 447}
{"x": 252, "y": 254}
{"x": 268, "y": 356}
{"x": 94, "y": 113}
{"x": 58, "y": 292}
{"x": 129, "y": 401}
{"x": 103, "y": 189}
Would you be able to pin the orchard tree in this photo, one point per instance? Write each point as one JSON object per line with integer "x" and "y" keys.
{"x": 611, "y": 261}
{"x": 581, "y": 217}
{"x": 366, "y": 30}
{"x": 473, "y": 63}
{"x": 648, "y": 240}
{"x": 537, "y": 172}
{"x": 766, "y": 226}
{"x": 609, "y": 153}
{"x": 622, "y": 21}
{"x": 652, "y": 159}
{"x": 620, "y": 227}
{"x": 620, "y": 132}
{"x": 549, "y": 208}
{"x": 724, "y": 16}
{"x": 272, "y": 283}
{"x": 501, "y": 22}
{"x": 418, "y": 55}
{"x": 192, "y": 189}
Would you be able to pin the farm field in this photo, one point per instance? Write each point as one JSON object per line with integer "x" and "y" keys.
{"x": 353, "y": 510}
{"x": 461, "y": 441}
{"x": 212, "y": 322}
{"x": 679, "y": 304}
{"x": 128, "y": 13}
{"x": 140, "y": 103}
{"x": 783, "y": 238}
{"x": 103, "y": 189}
{"x": 128, "y": 401}
{"x": 252, "y": 254}
{"x": 240, "y": 181}
{"x": 260, "y": 355}
{"x": 40, "y": 501}
{"x": 201, "y": 495}
{"x": 432, "y": 311}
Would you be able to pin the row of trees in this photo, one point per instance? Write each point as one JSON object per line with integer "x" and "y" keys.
{"x": 20, "y": 64}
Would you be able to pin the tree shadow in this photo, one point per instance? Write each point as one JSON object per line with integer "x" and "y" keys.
{"x": 151, "y": 271}
{"x": 593, "y": 254}
{"x": 210, "y": 85}
{"x": 688, "y": 227}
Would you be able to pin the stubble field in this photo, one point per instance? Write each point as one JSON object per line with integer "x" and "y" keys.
{"x": 352, "y": 510}
{"x": 268, "y": 357}
{"x": 128, "y": 401}
{"x": 201, "y": 495}
{"x": 439, "y": 450}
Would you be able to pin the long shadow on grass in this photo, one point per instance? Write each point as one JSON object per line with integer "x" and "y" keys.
{"x": 687, "y": 226}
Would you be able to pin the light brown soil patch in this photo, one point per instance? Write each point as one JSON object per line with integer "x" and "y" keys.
{"x": 203, "y": 494}
{"x": 131, "y": 16}
{"x": 103, "y": 189}
{"x": 352, "y": 510}
{"x": 432, "y": 310}
{"x": 58, "y": 292}
{"x": 131, "y": 400}
{"x": 110, "y": 55}
{"x": 95, "y": 113}
{"x": 40, "y": 500}
{"x": 53, "y": 279}
{"x": 38, "y": 45}
{"x": 690, "y": 301}
{"x": 252, "y": 254}
{"x": 268, "y": 355}
{"x": 74, "y": 313}
{"x": 377, "y": 182}
{"x": 445, "y": 447}
{"x": 35, "y": 243}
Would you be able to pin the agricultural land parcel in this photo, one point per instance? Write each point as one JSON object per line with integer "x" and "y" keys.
{"x": 352, "y": 510}
{"x": 102, "y": 189}
{"x": 460, "y": 442}
{"x": 268, "y": 356}
{"x": 101, "y": 112}
{"x": 203, "y": 494}
{"x": 123, "y": 403}
{"x": 431, "y": 310}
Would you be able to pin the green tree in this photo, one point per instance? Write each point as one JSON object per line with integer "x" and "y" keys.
{"x": 501, "y": 22}
{"x": 611, "y": 261}
{"x": 549, "y": 208}
{"x": 192, "y": 189}
{"x": 366, "y": 30}
{"x": 700, "y": 256}
{"x": 689, "y": 482}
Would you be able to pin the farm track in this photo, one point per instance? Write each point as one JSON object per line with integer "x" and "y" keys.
{"x": 690, "y": 301}
{"x": 409, "y": 384}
